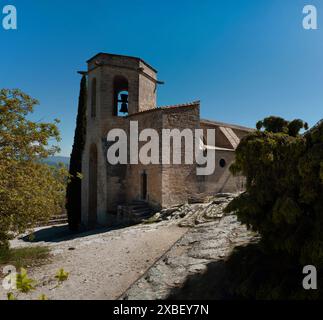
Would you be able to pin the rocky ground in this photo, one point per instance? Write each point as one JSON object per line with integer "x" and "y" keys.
{"x": 186, "y": 270}
{"x": 157, "y": 259}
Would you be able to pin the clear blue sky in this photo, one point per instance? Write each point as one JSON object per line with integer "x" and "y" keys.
{"x": 244, "y": 59}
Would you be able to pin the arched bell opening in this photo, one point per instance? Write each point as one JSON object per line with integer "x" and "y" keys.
{"x": 121, "y": 96}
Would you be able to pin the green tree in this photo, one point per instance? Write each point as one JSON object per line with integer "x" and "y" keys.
{"x": 279, "y": 125}
{"x": 30, "y": 190}
{"x": 73, "y": 193}
{"x": 283, "y": 201}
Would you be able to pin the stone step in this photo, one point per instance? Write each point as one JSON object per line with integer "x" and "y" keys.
{"x": 142, "y": 213}
{"x": 57, "y": 221}
{"x": 135, "y": 212}
{"x": 53, "y": 221}
{"x": 140, "y": 209}
{"x": 62, "y": 216}
{"x": 139, "y": 202}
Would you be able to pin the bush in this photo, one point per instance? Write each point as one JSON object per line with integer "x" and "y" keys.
{"x": 283, "y": 201}
{"x": 24, "y": 283}
{"x": 30, "y": 191}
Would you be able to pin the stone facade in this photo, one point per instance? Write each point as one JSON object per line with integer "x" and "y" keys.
{"x": 106, "y": 186}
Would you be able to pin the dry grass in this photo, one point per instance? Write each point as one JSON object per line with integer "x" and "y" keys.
{"x": 25, "y": 257}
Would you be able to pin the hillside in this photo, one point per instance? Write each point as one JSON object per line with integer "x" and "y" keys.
{"x": 55, "y": 160}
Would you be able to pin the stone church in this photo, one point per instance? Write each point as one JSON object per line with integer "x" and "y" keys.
{"x": 123, "y": 89}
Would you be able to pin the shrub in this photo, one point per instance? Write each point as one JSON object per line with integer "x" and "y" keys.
{"x": 283, "y": 201}
{"x": 24, "y": 283}
{"x": 11, "y": 296}
{"x": 30, "y": 191}
{"x": 61, "y": 275}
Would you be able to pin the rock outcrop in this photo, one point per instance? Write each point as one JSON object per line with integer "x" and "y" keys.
{"x": 210, "y": 240}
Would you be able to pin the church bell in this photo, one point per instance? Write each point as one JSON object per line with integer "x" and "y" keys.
{"x": 124, "y": 103}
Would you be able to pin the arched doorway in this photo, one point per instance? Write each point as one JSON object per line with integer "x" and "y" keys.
{"x": 93, "y": 186}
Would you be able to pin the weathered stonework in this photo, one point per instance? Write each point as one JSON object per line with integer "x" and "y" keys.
{"x": 106, "y": 186}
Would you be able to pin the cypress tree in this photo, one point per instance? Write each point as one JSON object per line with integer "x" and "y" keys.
{"x": 73, "y": 192}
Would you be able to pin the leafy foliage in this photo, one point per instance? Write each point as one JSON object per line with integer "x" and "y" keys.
{"x": 277, "y": 124}
{"x": 24, "y": 283}
{"x": 11, "y": 296}
{"x": 43, "y": 297}
{"x": 73, "y": 192}
{"x": 255, "y": 274}
{"x": 61, "y": 275}
{"x": 30, "y": 191}
{"x": 283, "y": 201}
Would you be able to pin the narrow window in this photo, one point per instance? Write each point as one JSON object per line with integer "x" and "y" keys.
{"x": 144, "y": 186}
{"x": 93, "y": 99}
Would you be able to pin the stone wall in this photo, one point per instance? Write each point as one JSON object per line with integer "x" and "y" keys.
{"x": 150, "y": 119}
{"x": 179, "y": 181}
{"x": 222, "y": 181}
{"x": 167, "y": 184}
{"x": 147, "y": 93}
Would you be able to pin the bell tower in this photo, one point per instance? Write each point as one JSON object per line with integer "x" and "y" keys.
{"x": 118, "y": 86}
{"x": 127, "y": 84}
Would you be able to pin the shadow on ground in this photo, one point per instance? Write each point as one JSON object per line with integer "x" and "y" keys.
{"x": 249, "y": 274}
{"x": 60, "y": 233}
{"x": 206, "y": 286}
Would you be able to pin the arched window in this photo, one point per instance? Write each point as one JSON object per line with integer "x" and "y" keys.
{"x": 120, "y": 105}
{"x": 93, "y": 98}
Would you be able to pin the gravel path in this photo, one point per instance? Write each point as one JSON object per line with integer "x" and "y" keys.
{"x": 101, "y": 266}
{"x": 179, "y": 255}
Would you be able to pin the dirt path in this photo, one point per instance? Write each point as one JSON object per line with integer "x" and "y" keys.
{"x": 101, "y": 266}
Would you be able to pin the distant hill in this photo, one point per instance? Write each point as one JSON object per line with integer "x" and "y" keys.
{"x": 55, "y": 160}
